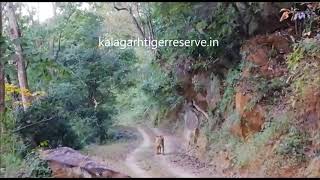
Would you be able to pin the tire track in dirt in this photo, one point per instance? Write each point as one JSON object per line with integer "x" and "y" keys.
{"x": 132, "y": 161}
{"x": 157, "y": 165}
{"x": 179, "y": 159}
{"x": 171, "y": 149}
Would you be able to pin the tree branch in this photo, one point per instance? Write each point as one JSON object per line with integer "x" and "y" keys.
{"x": 119, "y": 9}
{"x": 133, "y": 18}
{"x": 137, "y": 24}
{"x": 33, "y": 124}
{"x": 138, "y": 12}
{"x": 200, "y": 110}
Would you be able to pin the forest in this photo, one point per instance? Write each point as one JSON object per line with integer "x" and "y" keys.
{"x": 247, "y": 106}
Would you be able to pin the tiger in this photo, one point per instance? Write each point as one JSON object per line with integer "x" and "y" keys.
{"x": 159, "y": 144}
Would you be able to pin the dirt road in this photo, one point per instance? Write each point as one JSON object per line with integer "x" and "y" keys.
{"x": 143, "y": 162}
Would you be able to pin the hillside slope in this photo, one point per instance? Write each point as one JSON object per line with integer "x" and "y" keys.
{"x": 261, "y": 117}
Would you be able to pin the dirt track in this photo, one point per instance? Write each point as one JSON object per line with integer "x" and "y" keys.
{"x": 157, "y": 165}
{"x": 143, "y": 162}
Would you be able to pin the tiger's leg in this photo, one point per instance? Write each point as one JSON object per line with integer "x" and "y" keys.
{"x": 158, "y": 149}
{"x": 163, "y": 148}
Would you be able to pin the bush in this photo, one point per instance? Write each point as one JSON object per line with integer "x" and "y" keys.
{"x": 47, "y": 120}
{"x": 36, "y": 167}
{"x": 292, "y": 145}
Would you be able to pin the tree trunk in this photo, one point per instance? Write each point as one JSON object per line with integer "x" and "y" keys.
{"x": 15, "y": 36}
{"x": 54, "y": 9}
{"x": 2, "y": 89}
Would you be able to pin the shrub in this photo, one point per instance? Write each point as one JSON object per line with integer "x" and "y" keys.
{"x": 294, "y": 58}
{"x": 47, "y": 120}
{"x": 36, "y": 167}
{"x": 292, "y": 145}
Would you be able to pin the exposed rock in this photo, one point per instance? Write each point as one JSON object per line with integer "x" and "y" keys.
{"x": 183, "y": 68}
{"x": 255, "y": 118}
{"x": 69, "y": 163}
{"x": 237, "y": 129}
{"x": 251, "y": 120}
{"x": 259, "y": 56}
{"x": 267, "y": 53}
{"x": 266, "y": 19}
{"x": 207, "y": 90}
{"x": 200, "y": 83}
{"x": 241, "y": 102}
{"x": 309, "y": 109}
{"x": 191, "y": 120}
{"x": 213, "y": 92}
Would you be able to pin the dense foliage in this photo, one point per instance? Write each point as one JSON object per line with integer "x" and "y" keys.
{"x": 72, "y": 83}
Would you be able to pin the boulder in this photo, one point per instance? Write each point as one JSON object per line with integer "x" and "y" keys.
{"x": 66, "y": 162}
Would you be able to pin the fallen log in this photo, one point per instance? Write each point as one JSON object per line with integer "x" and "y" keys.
{"x": 66, "y": 162}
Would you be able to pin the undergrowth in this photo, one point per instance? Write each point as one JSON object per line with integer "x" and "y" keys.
{"x": 246, "y": 151}
{"x": 230, "y": 82}
{"x": 17, "y": 160}
{"x": 303, "y": 64}
{"x": 291, "y": 146}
